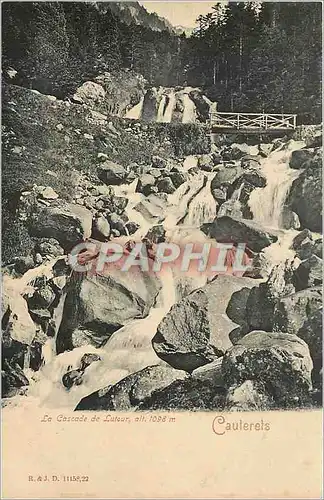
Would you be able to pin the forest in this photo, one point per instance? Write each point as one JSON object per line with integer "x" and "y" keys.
{"x": 247, "y": 56}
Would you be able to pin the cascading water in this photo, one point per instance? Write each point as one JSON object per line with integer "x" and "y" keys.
{"x": 135, "y": 113}
{"x": 180, "y": 200}
{"x": 163, "y": 102}
{"x": 167, "y": 117}
{"x": 190, "y": 162}
{"x": 203, "y": 207}
{"x": 129, "y": 191}
{"x": 127, "y": 351}
{"x": 161, "y": 109}
{"x": 189, "y": 112}
{"x": 267, "y": 203}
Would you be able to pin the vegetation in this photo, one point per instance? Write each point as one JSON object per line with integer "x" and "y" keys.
{"x": 56, "y": 46}
{"x": 52, "y": 143}
{"x": 259, "y": 56}
{"x": 246, "y": 55}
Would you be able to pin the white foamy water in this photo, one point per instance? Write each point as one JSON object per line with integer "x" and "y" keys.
{"x": 135, "y": 113}
{"x": 190, "y": 162}
{"x": 127, "y": 351}
{"x": 160, "y": 114}
{"x": 179, "y": 201}
{"x": 203, "y": 207}
{"x": 167, "y": 117}
{"x": 166, "y": 98}
{"x": 267, "y": 203}
{"x": 189, "y": 112}
{"x": 281, "y": 249}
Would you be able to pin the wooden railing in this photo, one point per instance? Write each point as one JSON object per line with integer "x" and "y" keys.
{"x": 252, "y": 121}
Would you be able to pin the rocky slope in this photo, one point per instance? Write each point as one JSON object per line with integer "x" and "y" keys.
{"x": 141, "y": 340}
{"x": 59, "y": 144}
{"x": 133, "y": 12}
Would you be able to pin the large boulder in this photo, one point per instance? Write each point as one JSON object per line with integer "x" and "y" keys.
{"x": 250, "y": 161}
{"x": 187, "y": 394}
{"x": 212, "y": 372}
{"x": 18, "y": 332}
{"x": 281, "y": 361}
{"x": 251, "y": 395}
{"x": 238, "y": 312}
{"x": 293, "y": 310}
{"x": 177, "y": 178}
{"x": 205, "y": 162}
{"x": 300, "y": 157}
{"x": 112, "y": 173}
{"x": 145, "y": 184}
{"x": 254, "y": 309}
{"x": 237, "y": 151}
{"x": 305, "y": 197}
{"x": 98, "y": 305}
{"x": 133, "y": 390}
{"x": 311, "y": 332}
{"x": 17, "y": 324}
{"x": 225, "y": 177}
{"x": 89, "y": 93}
{"x": 303, "y": 244}
{"x": 152, "y": 208}
{"x": 182, "y": 337}
{"x": 67, "y": 223}
{"x": 166, "y": 185}
{"x": 219, "y": 194}
{"x": 309, "y": 273}
{"x": 196, "y": 329}
{"x": 289, "y": 219}
{"x": 150, "y": 106}
{"x": 251, "y": 176}
{"x": 228, "y": 229}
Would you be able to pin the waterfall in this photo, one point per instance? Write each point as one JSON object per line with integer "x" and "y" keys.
{"x": 189, "y": 112}
{"x": 127, "y": 351}
{"x": 166, "y": 97}
{"x": 190, "y": 162}
{"x": 161, "y": 109}
{"x": 203, "y": 207}
{"x": 267, "y": 203}
{"x": 180, "y": 200}
{"x": 129, "y": 192}
{"x": 167, "y": 117}
{"x": 135, "y": 113}
{"x": 130, "y": 349}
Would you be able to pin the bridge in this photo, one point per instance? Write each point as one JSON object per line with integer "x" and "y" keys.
{"x": 250, "y": 123}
